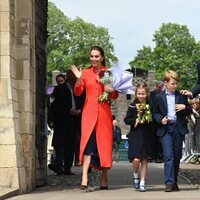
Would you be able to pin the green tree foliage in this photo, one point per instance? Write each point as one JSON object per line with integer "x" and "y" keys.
{"x": 174, "y": 49}
{"x": 69, "y": 41}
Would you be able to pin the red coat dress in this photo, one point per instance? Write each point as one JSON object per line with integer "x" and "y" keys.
{"x": 96, "y": 116}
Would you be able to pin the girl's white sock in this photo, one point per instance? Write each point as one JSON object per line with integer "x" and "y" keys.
{"x": 142, "y": 182}
{"x": 136, "y": 175}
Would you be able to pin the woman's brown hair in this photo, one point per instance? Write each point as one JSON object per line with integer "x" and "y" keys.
{"x": 98, "y": 48}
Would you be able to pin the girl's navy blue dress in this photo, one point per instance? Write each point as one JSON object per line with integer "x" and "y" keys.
{"x": 140, "y": 139}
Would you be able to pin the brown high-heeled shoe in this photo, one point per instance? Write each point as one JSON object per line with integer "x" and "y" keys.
{"x": 103, "y": 187}
{"x": 83, "y": 187}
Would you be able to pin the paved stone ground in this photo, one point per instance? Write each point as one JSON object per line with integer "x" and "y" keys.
{"x": 64, "y": 181}
{"x": 191, "y": 172}
{"x": 67, "y": 187}
{"x": 8, "y": 192}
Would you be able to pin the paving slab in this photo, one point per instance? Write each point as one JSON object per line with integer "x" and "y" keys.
{"x": 120, "y": 187}
{"x": 8, "y": 192}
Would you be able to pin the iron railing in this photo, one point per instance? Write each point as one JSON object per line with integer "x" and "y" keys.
{"x": 191, "y": 146}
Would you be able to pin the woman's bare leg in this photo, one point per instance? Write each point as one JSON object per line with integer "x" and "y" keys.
{"x": 104, "y": 179}
{"x": 86, "y": 164}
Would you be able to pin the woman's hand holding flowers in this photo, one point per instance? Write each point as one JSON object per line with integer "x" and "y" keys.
{"x": 108, "y": 88}
{"x": 106, "y": 78}
{"x": 118, "y": 79}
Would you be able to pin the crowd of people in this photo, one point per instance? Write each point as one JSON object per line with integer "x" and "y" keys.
{"x": 86, "y": 131}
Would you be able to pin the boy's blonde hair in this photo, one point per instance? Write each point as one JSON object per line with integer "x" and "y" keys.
{"x": 171, "y": 74}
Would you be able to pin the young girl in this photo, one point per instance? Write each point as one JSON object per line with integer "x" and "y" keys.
{"x": 140, "y": 136}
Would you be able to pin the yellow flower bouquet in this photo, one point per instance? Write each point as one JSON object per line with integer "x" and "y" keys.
{"x": 144, "y": 113}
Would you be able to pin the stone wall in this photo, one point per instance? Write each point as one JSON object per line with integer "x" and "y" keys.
{"x": 41, "y": 63}
{"x": 18, "y": 93}
{"x": 119, "y": 108}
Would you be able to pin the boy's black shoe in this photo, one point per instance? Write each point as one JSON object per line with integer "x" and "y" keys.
{"x": 175, "y": 188}
{"x": 168, "y": 188}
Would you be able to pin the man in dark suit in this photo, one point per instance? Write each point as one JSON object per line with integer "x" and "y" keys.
{"x": 170, "y": 111}
{"x": 156, "y": 91}
{"x": 76, "y": 113}
{"x": 116, "y": 139}
{"x": 157, "y": 151}
{"x": 62, "y": 124}
{"x": 66, "y": 113}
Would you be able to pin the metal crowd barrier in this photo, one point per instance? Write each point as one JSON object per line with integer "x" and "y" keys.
{"x": 191, "y": 146}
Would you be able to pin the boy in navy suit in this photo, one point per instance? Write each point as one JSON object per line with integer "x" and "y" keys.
{"x": 170, "y": 111}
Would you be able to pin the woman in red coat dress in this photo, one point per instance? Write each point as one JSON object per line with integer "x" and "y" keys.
{"x": 96, "y": 138}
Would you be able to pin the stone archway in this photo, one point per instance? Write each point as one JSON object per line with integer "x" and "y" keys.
{"x": 23, "y": 35}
